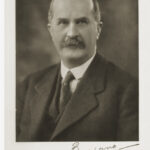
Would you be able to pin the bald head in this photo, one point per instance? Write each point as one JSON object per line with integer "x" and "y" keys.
{"x": 95, "y": 10}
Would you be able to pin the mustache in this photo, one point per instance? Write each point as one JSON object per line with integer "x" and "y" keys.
{"x": 75, "y": 42}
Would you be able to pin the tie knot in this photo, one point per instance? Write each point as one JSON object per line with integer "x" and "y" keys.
{"x": 68, "y": 78}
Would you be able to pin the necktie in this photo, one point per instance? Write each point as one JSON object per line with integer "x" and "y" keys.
{"x": 65, "y": 93}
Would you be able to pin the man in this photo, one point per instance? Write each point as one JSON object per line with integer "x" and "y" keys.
{"x": 85, "y": 97}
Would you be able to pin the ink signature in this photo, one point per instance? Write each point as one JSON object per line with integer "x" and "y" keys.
{"x": 75, "y": 146}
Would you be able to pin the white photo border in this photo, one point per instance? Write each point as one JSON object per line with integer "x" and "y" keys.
{"x": 10, "y": 80}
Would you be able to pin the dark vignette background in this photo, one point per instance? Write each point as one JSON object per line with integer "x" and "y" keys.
{"x": 118, "y": 41}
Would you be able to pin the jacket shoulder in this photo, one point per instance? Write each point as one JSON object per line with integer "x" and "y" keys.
{"x": 31, "y": 80}
{"x": 38, "y": 75}
{"x": 117, "y": 75}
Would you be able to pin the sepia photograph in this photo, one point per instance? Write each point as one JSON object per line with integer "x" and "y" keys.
{"x": 77, "y": 71}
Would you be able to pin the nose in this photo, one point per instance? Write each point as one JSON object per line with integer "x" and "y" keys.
{"x": 72, "y": 30}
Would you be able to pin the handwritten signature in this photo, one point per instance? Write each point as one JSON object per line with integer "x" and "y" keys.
{"x": 75, "y": 146}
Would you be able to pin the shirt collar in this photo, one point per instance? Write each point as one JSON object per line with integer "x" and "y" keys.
{"x": 78, "y": 71}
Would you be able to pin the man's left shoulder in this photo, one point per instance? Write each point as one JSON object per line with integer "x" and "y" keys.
{"x": 116, "y": 75}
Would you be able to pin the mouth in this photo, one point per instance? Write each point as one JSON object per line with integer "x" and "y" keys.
{"x": 72, "y": 46}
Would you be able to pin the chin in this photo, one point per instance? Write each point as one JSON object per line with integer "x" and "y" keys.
{"x": 74, "y": 60}
{"x": 74, "y": 54}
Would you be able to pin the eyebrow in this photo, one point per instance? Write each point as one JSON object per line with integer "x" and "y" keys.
{"x": 62, "y": 19}
{"x": 77, "y": 19}
{"x": 82, "y": 19}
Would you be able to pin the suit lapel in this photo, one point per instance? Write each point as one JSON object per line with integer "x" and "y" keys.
{"x": 83, "y": 100}
{"x": 41, "y": 99}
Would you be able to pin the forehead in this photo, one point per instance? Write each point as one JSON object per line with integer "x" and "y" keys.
{"x": 72, "y": 8}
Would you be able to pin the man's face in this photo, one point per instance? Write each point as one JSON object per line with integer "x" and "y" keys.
{"x": 74, "y": 30}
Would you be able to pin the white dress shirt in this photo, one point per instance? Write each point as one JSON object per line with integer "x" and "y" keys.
{"x": 78, "y": 72}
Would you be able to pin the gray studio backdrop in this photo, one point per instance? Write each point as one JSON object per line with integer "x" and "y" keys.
{"x": 118, "y": 41}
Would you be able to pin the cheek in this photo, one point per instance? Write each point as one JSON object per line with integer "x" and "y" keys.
{"x": 57, "y": 36}
{"x": 89, "y": 36}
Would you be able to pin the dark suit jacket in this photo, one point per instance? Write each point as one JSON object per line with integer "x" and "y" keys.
{"x": 104, "y": 106}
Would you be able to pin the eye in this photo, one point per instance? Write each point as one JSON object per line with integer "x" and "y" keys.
{"x": 62, "y": 22}
{"x": 82, "y": 21}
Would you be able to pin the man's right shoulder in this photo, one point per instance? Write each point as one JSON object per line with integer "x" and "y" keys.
{"x": 38, "y": 75}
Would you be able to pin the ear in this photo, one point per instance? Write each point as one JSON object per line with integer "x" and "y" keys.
{"x": 49, "y": 28}
{"x": 99, "y": 29}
